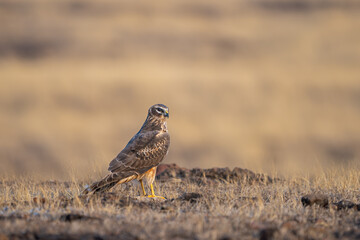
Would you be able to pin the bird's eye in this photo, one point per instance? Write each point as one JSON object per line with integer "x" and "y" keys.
{"x": 159, "y": 110}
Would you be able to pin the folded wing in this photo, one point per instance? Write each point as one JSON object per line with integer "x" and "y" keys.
{"x": 144, "y": 151}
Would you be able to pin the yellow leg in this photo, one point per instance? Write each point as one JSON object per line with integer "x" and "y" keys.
{"x": 142, "y": 186}
{"x": 153, "y": 193}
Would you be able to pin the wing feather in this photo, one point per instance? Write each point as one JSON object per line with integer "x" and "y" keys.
{"x": 144, "y": 151}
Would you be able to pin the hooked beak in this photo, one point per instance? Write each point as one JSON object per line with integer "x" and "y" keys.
{"x": 166, "y": 114}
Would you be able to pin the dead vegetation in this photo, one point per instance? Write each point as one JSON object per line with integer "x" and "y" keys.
{"x": 210, "y": 207}
{"x": 267, "y": 85}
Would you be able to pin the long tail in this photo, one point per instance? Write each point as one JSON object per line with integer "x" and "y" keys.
{"x": 106, "y": 183}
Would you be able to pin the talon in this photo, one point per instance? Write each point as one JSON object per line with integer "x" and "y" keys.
{"x": 154, "y": 196}
{"x": 153, "y": 193}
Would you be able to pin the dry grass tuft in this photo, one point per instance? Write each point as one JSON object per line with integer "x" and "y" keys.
{"x": 203, "y": 210}
{"x": 268, "y": 85}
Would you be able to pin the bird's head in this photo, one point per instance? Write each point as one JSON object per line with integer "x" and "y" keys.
{"x": 159, "y": 111}
{"x": 156, "y": 118}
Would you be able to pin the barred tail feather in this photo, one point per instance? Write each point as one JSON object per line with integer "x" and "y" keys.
{"x": 103, "y": 185}
{"x": 106, "y": 183}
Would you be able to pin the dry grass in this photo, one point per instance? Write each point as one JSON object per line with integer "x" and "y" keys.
{"x": 268, "y": 85}
{"x": 234, "y": 210}
{"x": 256, "y": 84}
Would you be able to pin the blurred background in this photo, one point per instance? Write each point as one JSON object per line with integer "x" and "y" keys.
{"x": 258, "y": 84}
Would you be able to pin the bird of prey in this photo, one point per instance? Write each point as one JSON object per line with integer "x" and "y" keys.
{"x": 141, "y": 156}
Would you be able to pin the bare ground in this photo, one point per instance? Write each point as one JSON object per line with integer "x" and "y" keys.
{"x": 265, "y": 84}
{"x": 200, "y": 204}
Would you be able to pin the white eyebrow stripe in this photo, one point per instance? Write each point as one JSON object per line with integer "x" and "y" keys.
{"x": 162, "y": 108}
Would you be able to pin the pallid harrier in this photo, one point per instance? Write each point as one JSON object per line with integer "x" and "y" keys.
{"x": 141, "y": 156}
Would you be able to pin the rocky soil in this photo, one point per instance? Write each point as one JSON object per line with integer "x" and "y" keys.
{"x": 216, "y": 203}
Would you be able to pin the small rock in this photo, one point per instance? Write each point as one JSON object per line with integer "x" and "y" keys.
{"x": 267, "y": 233}
{"x": 251, "y": 199}
{"x": 190, "y": 197}
{"x": 345, "y": 204}
{"x": 39, "y": 200}
{"x": 167, "y": 209}
{"x": 225, "y": 237}
{"x": 75, "y": 217}
{"x": 315, "y": 198}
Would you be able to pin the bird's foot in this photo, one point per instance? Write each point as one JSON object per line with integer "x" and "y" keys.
{"x": 154, "y": 196}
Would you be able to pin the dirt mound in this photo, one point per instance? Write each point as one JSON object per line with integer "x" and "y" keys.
{"x": 166, "y": 172}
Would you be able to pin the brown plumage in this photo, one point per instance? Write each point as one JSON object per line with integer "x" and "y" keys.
{"x": 141, "y": 156}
